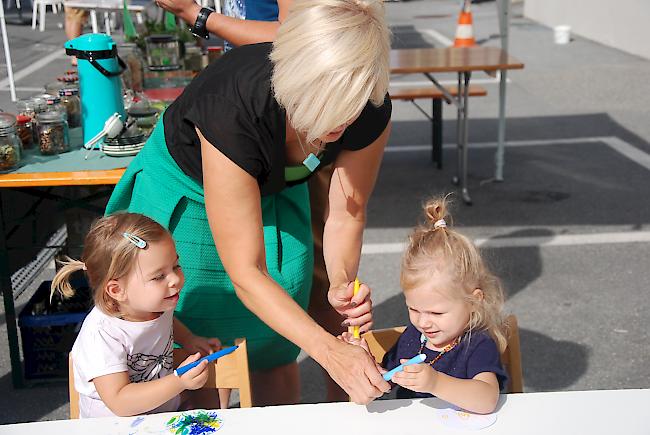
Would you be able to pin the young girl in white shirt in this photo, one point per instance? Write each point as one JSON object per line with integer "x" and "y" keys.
{"x": 122, "y": 358}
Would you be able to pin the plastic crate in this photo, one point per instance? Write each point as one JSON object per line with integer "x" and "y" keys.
{"x": 48, "y": 330}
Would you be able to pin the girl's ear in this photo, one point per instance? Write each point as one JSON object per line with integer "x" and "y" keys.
{"x": 115, "y": 290}
{"x": 478, "y": 294}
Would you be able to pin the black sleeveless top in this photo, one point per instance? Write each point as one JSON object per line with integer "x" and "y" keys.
{"x": 232, "y": 104}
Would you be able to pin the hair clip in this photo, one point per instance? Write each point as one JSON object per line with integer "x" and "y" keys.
{"x": 137, "y": 241}
{"x": 440, "y": 223}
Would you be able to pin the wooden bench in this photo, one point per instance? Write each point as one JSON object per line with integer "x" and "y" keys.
{"x": 437, "y": 97}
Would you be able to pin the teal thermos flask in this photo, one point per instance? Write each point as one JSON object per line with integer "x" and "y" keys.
{"x": 100, "y": 86}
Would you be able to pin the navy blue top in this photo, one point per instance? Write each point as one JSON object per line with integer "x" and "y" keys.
{"x": 473, "y": 355}
{"x": 262, "y": 10}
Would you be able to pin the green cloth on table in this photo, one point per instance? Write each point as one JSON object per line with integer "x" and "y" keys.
{"x": 33, "y": 161}
{"x": 155, "y": 186}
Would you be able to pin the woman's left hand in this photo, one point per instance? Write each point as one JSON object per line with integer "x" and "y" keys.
{"x": 203, "y": 345}
{"x": 357, "y": 309}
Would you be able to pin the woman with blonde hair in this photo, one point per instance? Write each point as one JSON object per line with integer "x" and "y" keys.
{"x": 225, "y": 172}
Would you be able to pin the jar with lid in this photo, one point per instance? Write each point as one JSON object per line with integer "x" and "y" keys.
{"x": 25, "y": 131}
{"x": 10, "y": 146}
{"x": 133, "y": 77}
{"x": 26, "y": 108}
{"x": 52, "y": 132}
{"x": 53, "y": 104}
{"x": 72, "y": 105}
{"x": 39, "y": 104}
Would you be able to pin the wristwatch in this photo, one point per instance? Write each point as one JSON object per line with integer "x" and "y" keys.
{"x": 199, "y": 29}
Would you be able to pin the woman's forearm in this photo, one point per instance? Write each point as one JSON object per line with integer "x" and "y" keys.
{"x": 470, "y": 394}
{"x": 342, "y": 240}
{"x": 268, "y": 301}
{"x": 241, "y": 32}
{"x": 234, "y": 30}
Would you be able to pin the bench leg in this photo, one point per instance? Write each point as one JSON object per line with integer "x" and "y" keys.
{"x": 436, "y": 132}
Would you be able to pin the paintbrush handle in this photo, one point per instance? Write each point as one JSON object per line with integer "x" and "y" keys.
{"x": 212, "y": 357}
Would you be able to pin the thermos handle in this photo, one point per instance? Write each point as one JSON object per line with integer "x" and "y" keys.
{"x": 107, "y": 73}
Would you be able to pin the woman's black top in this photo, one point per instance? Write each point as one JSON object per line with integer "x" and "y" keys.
{"x": 232, "y": 104}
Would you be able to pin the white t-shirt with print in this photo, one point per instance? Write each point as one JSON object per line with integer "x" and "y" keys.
{"x": 107, "y": 345}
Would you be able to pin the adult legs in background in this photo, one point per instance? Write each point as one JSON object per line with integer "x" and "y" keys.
{"x": 319, "y": 307}
{"x": 74, "y": 23}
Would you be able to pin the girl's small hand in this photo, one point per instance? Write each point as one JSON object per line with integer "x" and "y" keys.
{"x": 203, "y": 345}
{"x": 349, "y": 338}
{"x": 420, "y": 378}
{"x": 196, "y": 377}
{"x": 357, "y": 309}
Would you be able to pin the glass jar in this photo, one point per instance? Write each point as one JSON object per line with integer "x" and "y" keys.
{"x": 52, "y": 132}
{"x": 53, "y": 88}
{"x": 72, "y": 104}
{"x": 25, "y": 131}
{"x": 193, "y": 59}
{"x": 10, "y": 146}
{"x": 53, "y": 104}
{"x": 133, "y": 77}
{"x": 27, "y": 107}
{"x": 163, "y": 52}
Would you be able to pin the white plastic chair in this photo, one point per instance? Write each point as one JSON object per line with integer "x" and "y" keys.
{"x": 38, "y": 6}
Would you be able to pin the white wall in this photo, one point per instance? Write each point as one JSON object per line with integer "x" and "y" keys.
{"x": 622, "y": 24}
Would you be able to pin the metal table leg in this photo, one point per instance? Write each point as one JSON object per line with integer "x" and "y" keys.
{"x": 10, "y": 310}
{"x": 503, "y": 7}
{"x": 465, "y": 97}
{"x": 459, "y": 129}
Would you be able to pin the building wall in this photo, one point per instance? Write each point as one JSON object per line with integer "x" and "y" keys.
{"x": 622, "y": 24}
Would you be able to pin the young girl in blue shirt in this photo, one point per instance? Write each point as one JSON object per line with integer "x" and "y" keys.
{"x": 455, "y": 310}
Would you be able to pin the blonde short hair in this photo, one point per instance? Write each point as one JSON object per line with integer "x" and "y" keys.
{"x": 436, "y": 246}
{"x": 330, "y": 58}
{"x": 108, "y": 255}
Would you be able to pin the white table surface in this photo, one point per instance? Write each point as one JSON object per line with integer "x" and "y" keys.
{"x": 611, "y": 412}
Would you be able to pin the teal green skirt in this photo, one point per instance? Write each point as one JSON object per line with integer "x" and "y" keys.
{"x": 155, "y": 186}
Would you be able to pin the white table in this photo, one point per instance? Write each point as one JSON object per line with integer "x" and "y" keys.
{"x": 581, "y": 412}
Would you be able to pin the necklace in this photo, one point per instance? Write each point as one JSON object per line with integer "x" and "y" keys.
{"x": 447, "y": 348}
{"x": 311, "y": 161}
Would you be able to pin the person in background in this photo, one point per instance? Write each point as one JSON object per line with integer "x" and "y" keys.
{"x": 75, "y": 19}
{"x": 253, "y": 21}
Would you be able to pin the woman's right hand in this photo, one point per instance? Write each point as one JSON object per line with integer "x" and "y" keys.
{"x": 186, "y": 10}
{"x": 355, "y": 371}
{"x": 196, "y": 377}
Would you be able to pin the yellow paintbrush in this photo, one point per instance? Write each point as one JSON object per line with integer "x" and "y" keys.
{"x": 354, "y": 330}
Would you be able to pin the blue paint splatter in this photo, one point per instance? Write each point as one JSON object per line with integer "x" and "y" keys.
{"x": 195, "y": 423}
{"x": 137, "y": 421}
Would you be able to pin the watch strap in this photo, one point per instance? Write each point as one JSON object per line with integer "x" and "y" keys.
{"x": 199, "y": 28}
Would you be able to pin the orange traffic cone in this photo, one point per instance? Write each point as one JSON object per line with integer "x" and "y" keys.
{"x": 464, "y": 31}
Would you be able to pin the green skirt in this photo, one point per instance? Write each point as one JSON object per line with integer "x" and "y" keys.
{"x": 155, "y": 186}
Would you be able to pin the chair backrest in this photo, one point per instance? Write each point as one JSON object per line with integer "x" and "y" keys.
{"x": 230, "y": 371}
{"x": 381, "y": 341}
{"x": 72, "y": 392}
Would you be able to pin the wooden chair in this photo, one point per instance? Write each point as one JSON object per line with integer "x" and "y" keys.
{"x": 382, "y": 340}
{"x": 72, "y": 392}
{"x": 230, "y": 371}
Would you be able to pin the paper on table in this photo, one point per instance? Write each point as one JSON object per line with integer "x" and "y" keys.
{"x": 460, "y": 419}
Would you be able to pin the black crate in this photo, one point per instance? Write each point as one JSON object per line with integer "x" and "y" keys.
{"x": 48, "y": 330}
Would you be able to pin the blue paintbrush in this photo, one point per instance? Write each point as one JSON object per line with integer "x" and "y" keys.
{"x": 213, "y": 356}
{"x": 417, "y": 359}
